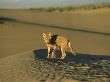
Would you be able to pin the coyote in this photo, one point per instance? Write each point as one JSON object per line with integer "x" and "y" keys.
{"x": 56, "y": 41}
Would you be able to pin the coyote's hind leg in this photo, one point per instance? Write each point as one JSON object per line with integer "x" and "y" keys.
{"x": 63, "y": 53}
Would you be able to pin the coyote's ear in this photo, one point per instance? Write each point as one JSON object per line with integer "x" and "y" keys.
{"x": 50, "y": 34}
{"x": 44, "y": 35}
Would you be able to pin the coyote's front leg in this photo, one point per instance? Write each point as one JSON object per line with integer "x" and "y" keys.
{"x": 53, "y": 52}
{"x": 48, "y": 52}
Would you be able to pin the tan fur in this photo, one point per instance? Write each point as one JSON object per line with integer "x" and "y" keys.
{"x": 61, "y": 42}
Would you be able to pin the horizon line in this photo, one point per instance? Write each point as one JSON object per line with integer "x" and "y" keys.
{"x": 55, "y": 6}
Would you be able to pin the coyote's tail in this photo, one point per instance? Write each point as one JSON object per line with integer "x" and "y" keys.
{"x": 69, "y": 44}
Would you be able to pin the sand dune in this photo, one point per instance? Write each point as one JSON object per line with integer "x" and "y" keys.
{"x": 24, "y": 68}
{"x": 34, "y": 67}
{"x": 19, "y": 37}
{"x": 88, "y": 30}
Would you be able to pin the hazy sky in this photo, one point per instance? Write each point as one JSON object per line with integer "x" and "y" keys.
{"x": 45, "y": 3}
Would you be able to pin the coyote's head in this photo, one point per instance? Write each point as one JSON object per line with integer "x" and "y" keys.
{"x": 46, "y": 37}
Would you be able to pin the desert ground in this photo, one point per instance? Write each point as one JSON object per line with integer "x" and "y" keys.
{"x": 23, "y": 52}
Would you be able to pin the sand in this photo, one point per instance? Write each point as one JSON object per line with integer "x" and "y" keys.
{"x": 22, "y": 35}
{"x": 24, "y": 68}
{"x": 30, "y": 66}
{"x": 88, "y": 32}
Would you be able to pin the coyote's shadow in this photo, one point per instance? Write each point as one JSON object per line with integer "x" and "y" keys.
{"x": 42, "y": 54}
